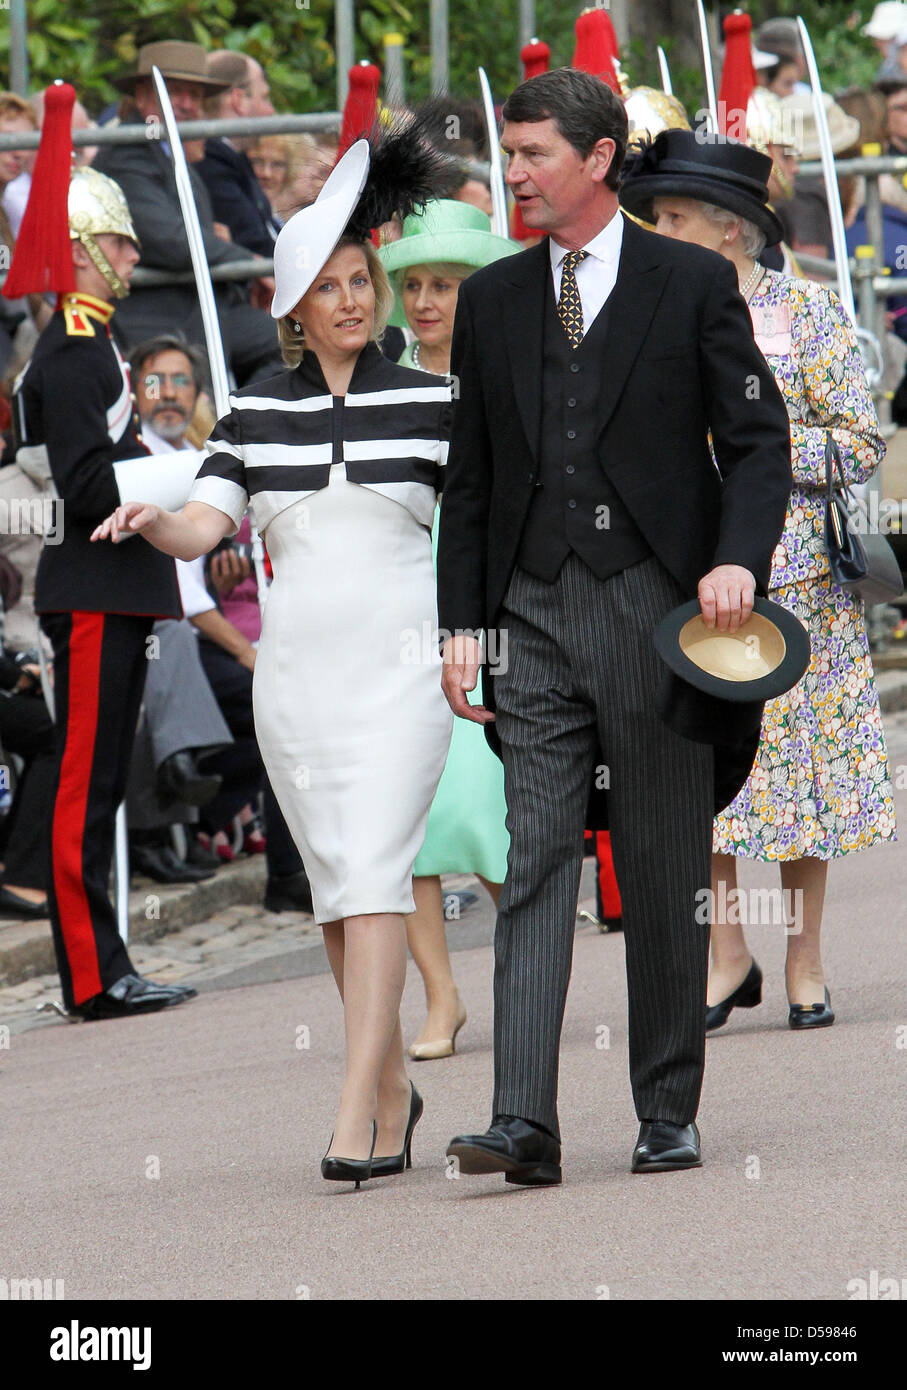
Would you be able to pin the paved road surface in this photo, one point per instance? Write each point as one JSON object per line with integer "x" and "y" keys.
{"x": 176, "y": 1156}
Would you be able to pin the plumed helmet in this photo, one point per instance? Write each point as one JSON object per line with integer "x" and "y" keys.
{"x": 96, "y": 205}
{"x": 650, "y": 111}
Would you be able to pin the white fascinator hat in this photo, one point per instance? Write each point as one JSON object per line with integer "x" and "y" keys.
{"x": 393, "y": 171}
{"x": 305, "y": 243}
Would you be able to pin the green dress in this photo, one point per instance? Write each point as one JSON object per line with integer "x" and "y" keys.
{"x": 466, "y": 831}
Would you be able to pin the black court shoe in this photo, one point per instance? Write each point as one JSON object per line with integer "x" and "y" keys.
{"x": 746, "y": 996}
{"x": 812, "y": 1015}
{"x": 355, "y": 1170}
{"x": 387, "y": 1167}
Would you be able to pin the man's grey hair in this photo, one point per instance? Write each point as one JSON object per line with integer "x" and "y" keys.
{"x": 171, "y": 342}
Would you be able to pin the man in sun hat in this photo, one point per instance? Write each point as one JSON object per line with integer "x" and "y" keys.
{"x": 807, "y": 214}
{"x": 145, "y": 173}
{"x": 887, "y": 22}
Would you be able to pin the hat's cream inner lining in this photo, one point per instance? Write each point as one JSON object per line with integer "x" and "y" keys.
{"x": 754, "y": 650}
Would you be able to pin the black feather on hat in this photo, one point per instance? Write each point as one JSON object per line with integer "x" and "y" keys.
{"x": 392, "y": 171}
{"x": 405, "y": 172}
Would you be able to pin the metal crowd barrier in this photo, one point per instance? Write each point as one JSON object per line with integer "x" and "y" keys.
{"x": 137, "y": 132}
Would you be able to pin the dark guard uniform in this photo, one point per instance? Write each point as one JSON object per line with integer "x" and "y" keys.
{"x": 98, "y": 603}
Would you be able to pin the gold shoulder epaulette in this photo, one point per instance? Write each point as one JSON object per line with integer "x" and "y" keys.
{"x": 78, "y": 323}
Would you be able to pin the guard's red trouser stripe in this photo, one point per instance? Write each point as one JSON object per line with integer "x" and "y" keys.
{"x": 607, "y": 879}
{"x": 72, "y": 801}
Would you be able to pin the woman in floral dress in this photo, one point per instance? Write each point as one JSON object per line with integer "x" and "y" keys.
{"x": 820, "y": 787}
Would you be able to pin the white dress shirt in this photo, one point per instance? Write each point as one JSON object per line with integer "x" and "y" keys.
{"x": 597, "y": 273}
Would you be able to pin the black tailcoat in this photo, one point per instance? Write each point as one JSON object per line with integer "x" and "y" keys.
{"x": 679, "y": 361}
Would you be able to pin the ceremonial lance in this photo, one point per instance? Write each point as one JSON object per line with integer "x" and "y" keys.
{"x": 498, "y": 189}
{"x": 707, "y": 67}
{"x": 869, "y": 345}
{"x": 832, "y": 193}
{"x": 213, "y": 341}
{"x": 666, "y": 85}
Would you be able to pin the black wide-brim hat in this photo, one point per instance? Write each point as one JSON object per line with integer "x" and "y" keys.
{"x": 698, "y": 164}
{"x": 764, "y": 658}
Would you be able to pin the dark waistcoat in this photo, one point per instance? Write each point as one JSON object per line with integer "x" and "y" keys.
{"x": 574, "y": 506}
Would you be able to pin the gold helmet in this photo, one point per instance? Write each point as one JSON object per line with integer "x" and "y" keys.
{"x": 97, "y": 205}
{"x": 650, "y": 111}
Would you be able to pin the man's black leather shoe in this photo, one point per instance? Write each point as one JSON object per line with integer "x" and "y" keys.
{"x": 289, "y": 894}
{"x": 663, "y": 1146}
{"x": 179, "y": 779}
{"x": 133, "y": 994}
{"x": 523, "y": 1153}
{"x": 161, "y": 863}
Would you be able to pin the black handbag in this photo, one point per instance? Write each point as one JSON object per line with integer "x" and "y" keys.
{"x": 860, "y": 559}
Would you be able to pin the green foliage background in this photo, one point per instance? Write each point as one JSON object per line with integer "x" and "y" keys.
{"x": 89, "y": 41}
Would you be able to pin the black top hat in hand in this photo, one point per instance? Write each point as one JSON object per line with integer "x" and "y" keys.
{"x": 697, "y": 164}
{"x": 766, "y": 656}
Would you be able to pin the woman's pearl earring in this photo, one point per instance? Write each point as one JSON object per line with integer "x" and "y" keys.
{"x": 297, "y": 326}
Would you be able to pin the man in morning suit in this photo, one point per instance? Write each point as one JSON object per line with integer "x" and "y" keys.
{"x": 582, "y": 505}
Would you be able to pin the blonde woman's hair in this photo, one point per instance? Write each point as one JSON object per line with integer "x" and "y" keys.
{"x": 292, "y": 344}
{"x": 441, "y": 270}
{"x": 12, "y": 105}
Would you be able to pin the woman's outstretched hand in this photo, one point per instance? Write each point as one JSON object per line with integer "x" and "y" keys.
{"x": 129, "y": 519}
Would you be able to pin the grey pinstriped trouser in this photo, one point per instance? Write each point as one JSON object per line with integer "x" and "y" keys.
{"x": 581, "y": 662}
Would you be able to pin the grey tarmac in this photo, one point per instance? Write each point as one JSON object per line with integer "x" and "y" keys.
{"x": 176, "y": 1155}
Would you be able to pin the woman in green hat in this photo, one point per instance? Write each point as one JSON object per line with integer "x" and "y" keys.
{"x": 436, "y": 252}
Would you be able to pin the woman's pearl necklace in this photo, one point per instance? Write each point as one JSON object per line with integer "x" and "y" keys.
{"x": 416, "y": 362}
{"x": 752, "y": 281}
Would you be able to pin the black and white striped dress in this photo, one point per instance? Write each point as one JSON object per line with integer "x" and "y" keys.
{"x": 349, "y": 713}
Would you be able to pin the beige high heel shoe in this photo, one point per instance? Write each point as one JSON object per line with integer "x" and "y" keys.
{"x": 434, "y": 1051}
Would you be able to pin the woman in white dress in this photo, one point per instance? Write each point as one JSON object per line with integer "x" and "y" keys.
{"x": 341, "y": 459}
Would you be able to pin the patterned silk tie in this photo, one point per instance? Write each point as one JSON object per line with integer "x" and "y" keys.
{"x": 569, "y": 305}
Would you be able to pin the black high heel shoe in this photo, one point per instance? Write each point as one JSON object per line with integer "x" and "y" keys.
{"x": 387, "y": 1167}
{"x": 812, "y": 1015}
{"x": 746, "y": 996}
{"x": 355, "y": 1170}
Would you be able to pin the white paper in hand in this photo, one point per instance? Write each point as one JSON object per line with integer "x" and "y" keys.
{"x": 165, "y": 480}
